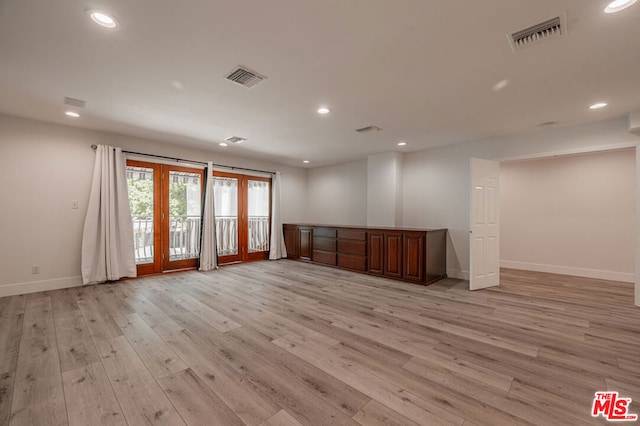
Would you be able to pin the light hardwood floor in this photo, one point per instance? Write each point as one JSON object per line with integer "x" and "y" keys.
{"x": 289, "y": 343}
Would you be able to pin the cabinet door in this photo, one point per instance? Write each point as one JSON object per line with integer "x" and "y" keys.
{"x": 291, "y": 241}
{"x": 414, "y": 256}
{"x": 393, "y": 254}
{"x": 376, "y": 252}
{"x": 305, "y": 243}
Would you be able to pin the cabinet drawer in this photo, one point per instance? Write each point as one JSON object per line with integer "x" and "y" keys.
{"x": 357, "y": 263}
{"x": 352, "y": 247}
{"x": 352, "y": 234}
{"x": 324, "y": 244}
{"x": 324, "y": 232}
{"x": 324, "y": 257}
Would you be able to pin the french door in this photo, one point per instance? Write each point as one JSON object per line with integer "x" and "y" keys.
{"x": 166, "y": 210}
{"x": 242, "y": 207}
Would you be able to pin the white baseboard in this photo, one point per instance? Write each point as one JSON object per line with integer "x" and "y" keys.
{"x": 35, "y": 286}
{"x": 457, "y": 273}
{"x": 568, "y": 270}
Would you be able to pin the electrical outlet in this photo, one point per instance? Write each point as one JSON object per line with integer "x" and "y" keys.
{"x": 75, "y": 204}
{"x": 35, "y": 269}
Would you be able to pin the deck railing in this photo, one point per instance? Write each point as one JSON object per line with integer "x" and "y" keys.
{"x": 258, "y": 233}
{"x": 227, "y": 234}
{"x": 143, "y": 239}
{"x": 184, "y": 236}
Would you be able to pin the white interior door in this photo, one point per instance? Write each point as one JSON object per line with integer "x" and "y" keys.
{"x": 484, "y": 237}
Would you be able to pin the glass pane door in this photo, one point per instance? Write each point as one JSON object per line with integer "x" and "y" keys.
{"x": 165, "y": 206}
{"x": 141, "y": 196}
{"x": 181, "y": 211}
{"x": 225, "y": 201}
{"x": 184, "y": 215}
{"x": 259, "y": 196}
{"x": 242, "y": 208}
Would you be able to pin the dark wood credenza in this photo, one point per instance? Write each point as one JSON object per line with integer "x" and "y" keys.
{"x": 415, "y": 255}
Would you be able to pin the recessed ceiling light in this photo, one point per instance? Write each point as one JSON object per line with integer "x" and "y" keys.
{"x": 223, "y": 144}
{"x": 103, "y": 19}
{"x": 305, "y": 161}
{"x": 402, "y": 143}
{"x": 323, "y": 110}
{"x": 235, "y": 139}
{"x": 618, "y": 5}
{"x": 598, "y": 105}
{"x": 72, "y": 114}
{"x": 500, "y": 85}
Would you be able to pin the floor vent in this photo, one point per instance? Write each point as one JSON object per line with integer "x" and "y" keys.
{"x": 75, "y": 102}
{"x": 245, "y": 77}
{"x": 235, "y": 139}
{"x": 368, "y": 129}
{"x": 551, "y": 28}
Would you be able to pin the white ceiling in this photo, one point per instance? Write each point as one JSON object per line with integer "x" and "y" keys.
{"x": 422, "y": 70}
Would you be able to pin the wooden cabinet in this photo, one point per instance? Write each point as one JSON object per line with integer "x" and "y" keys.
{"x": 412, "y": 255}
{"x": 324, "y": 246}
{"x": 291, "y": 240}
{"x": 305, "y": 242}
{"x": 352, "y": 249}
{"x": 376, "y": 252}
{"x": 414, "y": 258}
{"x": 393, "y": 254}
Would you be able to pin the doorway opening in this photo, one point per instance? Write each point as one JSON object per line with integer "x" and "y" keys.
{"x": 571, "y": 214}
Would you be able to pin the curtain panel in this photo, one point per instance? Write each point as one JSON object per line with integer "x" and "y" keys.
{"x": 277, "y": 248}
{"x": 107, "y": 239}
{"x": 208, "y": 251}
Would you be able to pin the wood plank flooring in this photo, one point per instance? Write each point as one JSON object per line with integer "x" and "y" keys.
{"x": 289, "y": 343}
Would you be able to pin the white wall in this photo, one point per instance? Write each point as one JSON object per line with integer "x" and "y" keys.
{"x": 365, "y": 192}
{"x": 337, "y": 195}
{"x": 436, "y": 181}
{"x": 384, "y": 189}
{"x": 436, "y": 195}
{"x": 45, "y": 167}
{"x": 570, "y": 214}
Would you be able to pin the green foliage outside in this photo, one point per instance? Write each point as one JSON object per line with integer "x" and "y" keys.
{"x": 141, "y": 198}
{"x": 178, "y": 199}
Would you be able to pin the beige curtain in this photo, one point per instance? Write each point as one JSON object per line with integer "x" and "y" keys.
{"x": 277, "y": 248}
{"x": 208, "y": 254}
{"x": 107, "y": 240}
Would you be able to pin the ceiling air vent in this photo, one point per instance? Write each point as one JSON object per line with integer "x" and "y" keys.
{"x": 235, "y": 139}
{"x": 368, "y": 129}
{"x": 551, "y": 28}
{"x": 245, "y": 77}
{"x": 75, "y": 102}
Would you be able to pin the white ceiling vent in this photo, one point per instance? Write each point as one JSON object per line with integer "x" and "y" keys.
{"x": 551, "y": 28}
{"x": 235, "y": 139}
{"x": 368, "y": 129}
{"x": 245, "y": 77}
{"x": 75, "y": 102}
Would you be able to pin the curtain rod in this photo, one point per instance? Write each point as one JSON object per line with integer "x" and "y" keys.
{"x": 94, "y": 147}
